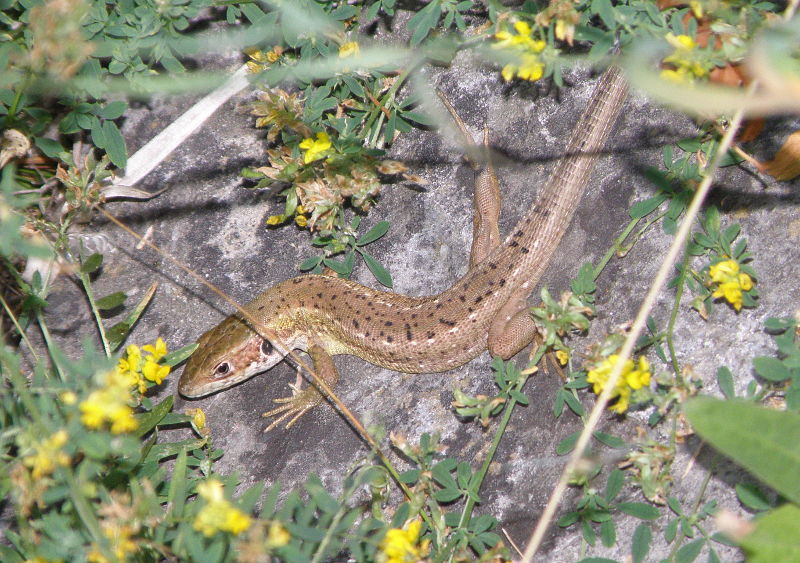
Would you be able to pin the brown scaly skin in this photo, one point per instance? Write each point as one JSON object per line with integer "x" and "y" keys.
{"x": 486, "y": 308}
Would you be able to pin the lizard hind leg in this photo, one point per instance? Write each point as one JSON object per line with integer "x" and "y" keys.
{"x": 304, "y": 400}
{"x": 513, "y": 328}
{"x": 486, "y": 200}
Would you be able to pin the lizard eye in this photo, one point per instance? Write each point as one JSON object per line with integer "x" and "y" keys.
{"x": 222, "y": 369}
{"x": 266, "y": 347}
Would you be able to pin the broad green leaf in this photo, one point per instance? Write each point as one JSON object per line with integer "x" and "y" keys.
{"x": 614, "y": 485}
{"x": 640, "y": 543}
{"x": 380, "y": 273}
{"x": 91, "y": 264}
{"x": 310, "y": 263}
{"x": 761, "y": 440}
{"x": 49, "y": 147}
{"x": 752, "y": 497}
{"x": 374, "y": 233}
{"x": 115, "y": 144}
{"x": 775, "y": 537}
{"x": 609, "y": 440}
{"x": 643, "y": 208}
{"x": 111, "y": 301}
{"x": 639, "y": 510}
{"x": 725, "y": 382}
{"x": 148, "y": 421}
{"x": 771, "y": 368}
{"x": 689, "y": 552}
{"x": 174, "y": 358}
{"x": 567, "y": 444}
{"x": 113, "y": 110}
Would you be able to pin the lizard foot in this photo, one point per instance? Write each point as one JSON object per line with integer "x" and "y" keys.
{"x": 295, "y": 406}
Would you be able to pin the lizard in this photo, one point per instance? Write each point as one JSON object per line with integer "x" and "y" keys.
{"x": 324, "y": 315}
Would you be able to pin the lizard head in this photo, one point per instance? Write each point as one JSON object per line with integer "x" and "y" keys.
{"x": 226, "y": 355}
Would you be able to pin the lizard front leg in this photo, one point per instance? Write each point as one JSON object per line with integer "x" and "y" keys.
{"x": 304, "y": 400}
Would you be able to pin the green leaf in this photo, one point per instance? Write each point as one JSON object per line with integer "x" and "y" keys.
{"x": 176, "y": 496}
{"x": 374, "y": 233}
{"x": 614, "y": 484}
{"x": 608, "y": 533}
{"x": 609, "y": 440}
{"x": 115, "y": 144}
{"x": 341, "y": 268}
{"x": 643, "y": 208}
{"x": 174, "y": 358}
{"x": 761, "y": 440}
{"x": 92, "y": 264}
{"x": 111, "y": 301}
{"x": 149, "y": 420}
{"x": 690, "y": 551}
{"x": 771, "y": 368}
{"x": 640, "y": 543}
{"x": 752, "y": 496}
{"x": 380, "y": 273}
{"x": 49, "y": 147}
{"x": 112, "y": 110}
{"x": 121, "y": 333}
{"x": 775, "y": 537}
{"x": 310, "y": 263}
{"x": 725, "y": 382}
{"x": 567, "y": 444}
{"x": 639, "y": 510}
{"x": 447, "y": 495}
{"x": 423, "y": 21}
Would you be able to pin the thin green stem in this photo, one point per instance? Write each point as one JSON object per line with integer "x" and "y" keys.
{"x": 674, "y": 316}
{"x": 87, "y": 287}
{"x": 48, "y": 339}
{"x": 21, "y": 332}
{"x": 466, "y": 513}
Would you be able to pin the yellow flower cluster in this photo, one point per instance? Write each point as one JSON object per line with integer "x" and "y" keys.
{"x": 685, "y": 60}
{"x": 119, "y": 537}
{"x": 349, "y": 49}
{"x": 47, "y": 455}
{"x": 138, "y": 369}
{"x": 110, "y": 405}
{"x": 218, "y": 514}
{"x": 631, "y": 379}
{"x": 403, "y": 546}
{"x": 529, "y": 65}
{"x": 730, "y": 282}
{"x": 315, "y": 149}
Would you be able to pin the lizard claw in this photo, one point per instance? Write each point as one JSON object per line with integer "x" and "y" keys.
{"x": 295, "y": 406}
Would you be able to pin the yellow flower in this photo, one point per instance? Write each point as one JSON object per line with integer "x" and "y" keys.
{"x": 301, "y": 220}
{"x": 119, "y": 537}
{"x": 154, "y": 371}
{"x": 730, "y": 282}
{"x": 688, "y": 64}
{"x": 110, "y": 405}
{"x": 400, "y": 546}
{"x": 314, "y": 150}
{"x": 198, "y": 417}
{"x": 562, "y": 356}
{"x": 218, "y": 514}
{"x": 47, "y": 455}
{"x": 349, "y": 49}
{"x": 276, "y": 219}
{"x": 277, "y": 536}
{"x": 68, "y": 397}
{"x": 528, "y": 64}
{"x": 631, "y": 379}
{"x": 158, "y": 351}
